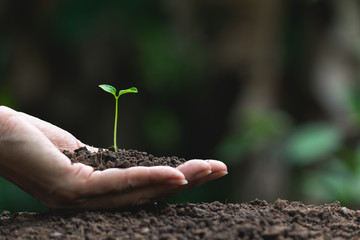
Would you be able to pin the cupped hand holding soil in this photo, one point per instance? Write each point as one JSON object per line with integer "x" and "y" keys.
{"x": 31, "y": 156}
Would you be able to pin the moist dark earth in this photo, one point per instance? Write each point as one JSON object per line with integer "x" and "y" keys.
{"x": 104, "y": 159}
{"x": 254, "y": 220}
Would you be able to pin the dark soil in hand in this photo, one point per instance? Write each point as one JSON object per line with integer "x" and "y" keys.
{"x": 254, "y": 220}
{"x": 104, "y": 159}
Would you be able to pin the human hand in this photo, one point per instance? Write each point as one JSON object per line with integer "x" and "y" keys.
{"x": 31, "y": 157}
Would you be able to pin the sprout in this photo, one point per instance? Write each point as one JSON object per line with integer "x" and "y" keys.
{"x": 112, "y": 90}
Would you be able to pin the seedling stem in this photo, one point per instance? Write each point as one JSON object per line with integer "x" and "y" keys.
{"x": 112, "y": 90}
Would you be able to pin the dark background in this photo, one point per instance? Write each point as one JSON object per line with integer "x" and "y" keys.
{"x": 269, "y": 87}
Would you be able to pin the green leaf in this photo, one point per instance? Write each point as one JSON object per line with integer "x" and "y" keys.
{"x": 108, "y": 88}
{"x": 129, "y": 90}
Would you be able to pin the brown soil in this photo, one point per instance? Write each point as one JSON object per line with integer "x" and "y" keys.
{"x": 104, "y": 159}
{"x": 255, "y": 220}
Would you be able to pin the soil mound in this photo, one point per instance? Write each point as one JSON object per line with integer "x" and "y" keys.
{"x": 107, "y": 158}
{"x": 255, "y": 220}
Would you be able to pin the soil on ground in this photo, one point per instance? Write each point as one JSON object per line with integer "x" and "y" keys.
{"x": 254, "y": 220}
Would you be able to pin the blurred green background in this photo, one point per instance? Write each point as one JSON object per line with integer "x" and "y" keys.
{"x": 269, "y": 87}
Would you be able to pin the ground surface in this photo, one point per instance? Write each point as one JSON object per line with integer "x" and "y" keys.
{"x": 255, "y": 220}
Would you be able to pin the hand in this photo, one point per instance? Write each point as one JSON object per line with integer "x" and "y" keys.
{"x": 31, "y": 157}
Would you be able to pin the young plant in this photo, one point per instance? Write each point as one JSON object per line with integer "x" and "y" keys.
{"x": 112, "y": 90}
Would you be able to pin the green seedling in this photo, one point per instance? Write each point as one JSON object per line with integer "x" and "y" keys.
{"x": 112, "y": 90}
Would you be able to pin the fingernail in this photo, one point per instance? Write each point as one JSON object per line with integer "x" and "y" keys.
{"x": 220, "y": 174}
{"x": 177, "y": 182}
{"x": 202, "y": 174}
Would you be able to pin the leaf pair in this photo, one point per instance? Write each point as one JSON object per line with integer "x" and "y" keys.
{"x": 112, "y": 90}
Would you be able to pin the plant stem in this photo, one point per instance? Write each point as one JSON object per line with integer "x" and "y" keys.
{"x": 115, "y": 125}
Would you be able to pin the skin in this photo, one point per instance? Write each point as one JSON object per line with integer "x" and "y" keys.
{"x": 31, "y": 158}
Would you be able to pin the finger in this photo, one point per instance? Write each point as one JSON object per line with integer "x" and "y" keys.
{"x": 217, "y": 169}
{"x": 217, "y": 166}
{"x": 62, "y": 139}
{"x": 206, "y": 179}
{"x": 195, "y": 169}
{"x": 120, "y": 180}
